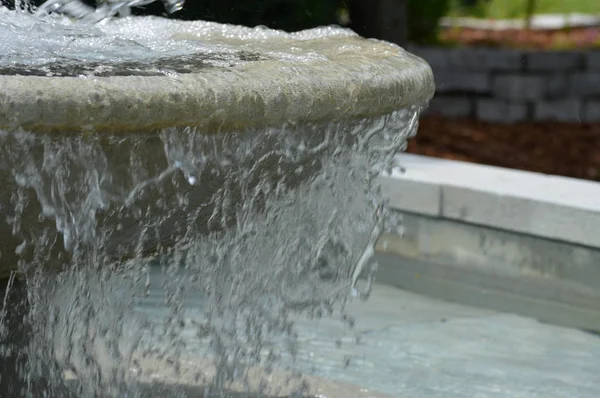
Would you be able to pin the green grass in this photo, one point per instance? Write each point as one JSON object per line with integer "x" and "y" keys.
{"x": 506, "y": 9}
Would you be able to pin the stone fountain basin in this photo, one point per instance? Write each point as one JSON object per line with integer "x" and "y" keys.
{"x": 336, "y": 77}
{"x": 248, "y": 80}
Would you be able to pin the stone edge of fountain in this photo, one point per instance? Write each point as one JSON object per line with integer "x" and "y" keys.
{"x": 378, "y": 79}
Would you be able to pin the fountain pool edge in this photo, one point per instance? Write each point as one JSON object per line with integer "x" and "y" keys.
{"x": 496, "y": 238}
{"x": 374, "y": 78}
{"x": 551, "y": 207}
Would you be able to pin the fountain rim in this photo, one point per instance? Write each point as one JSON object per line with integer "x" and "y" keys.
{"x": 266, "y": 93}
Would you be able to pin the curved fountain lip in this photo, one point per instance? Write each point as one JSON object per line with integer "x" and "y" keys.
{"x": 352, "y": 78}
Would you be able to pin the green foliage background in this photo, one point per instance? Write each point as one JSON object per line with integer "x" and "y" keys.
{"x": 423, "y": 17}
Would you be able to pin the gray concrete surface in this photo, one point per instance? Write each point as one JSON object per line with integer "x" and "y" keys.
{"x": 451, "y": 105}
{"x": 453, "y": 81}
{"x": 521, "y": 87}
{"x": 592, "y": 111}
{"x": 552, "y": 61}
{"x": 550, "y": 281}
{"x": 593, "y": 60}
{"x": 563, "y": 110}
{"x": 548, "y": 206}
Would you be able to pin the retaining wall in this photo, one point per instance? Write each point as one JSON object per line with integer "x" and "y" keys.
{"x": 503, "y": 85}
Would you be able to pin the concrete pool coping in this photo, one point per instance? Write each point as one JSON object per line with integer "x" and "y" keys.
{"x": 547, "y": 206}
{"x": 502, "y": 239}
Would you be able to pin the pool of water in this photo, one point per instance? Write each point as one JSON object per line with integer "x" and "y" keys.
{"x": 406, "y": 345}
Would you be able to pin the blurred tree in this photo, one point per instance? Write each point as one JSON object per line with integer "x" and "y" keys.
{"x": 423, "y": 17}
{"x": 529, "y": 11}
{"x": 380, "y": 19}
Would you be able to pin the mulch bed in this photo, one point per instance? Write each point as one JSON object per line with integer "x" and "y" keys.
{"x": 566, "y": 149}
{"x": 522, "y": 38}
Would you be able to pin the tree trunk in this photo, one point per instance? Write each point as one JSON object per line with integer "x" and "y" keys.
{"x": 529, "y": 11}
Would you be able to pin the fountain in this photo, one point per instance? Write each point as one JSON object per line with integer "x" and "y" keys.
{"x": 234, "y": 164}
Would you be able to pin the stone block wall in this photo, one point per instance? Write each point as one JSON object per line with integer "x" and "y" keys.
{"x": 508, "y": 86}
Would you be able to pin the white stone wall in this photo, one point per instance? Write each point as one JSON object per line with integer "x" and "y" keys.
{"x": 508, "y": 86}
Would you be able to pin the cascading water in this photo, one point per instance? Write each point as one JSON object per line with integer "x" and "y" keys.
{"x": 264, "y": 224}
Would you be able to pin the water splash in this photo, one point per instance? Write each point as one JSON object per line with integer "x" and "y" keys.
{"x": 264, "y": 224}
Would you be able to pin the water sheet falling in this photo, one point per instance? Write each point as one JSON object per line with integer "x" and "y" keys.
{"x": 264, "y": 224}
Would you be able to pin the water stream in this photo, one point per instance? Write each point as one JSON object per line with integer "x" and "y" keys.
{"x": 265, "y": 225}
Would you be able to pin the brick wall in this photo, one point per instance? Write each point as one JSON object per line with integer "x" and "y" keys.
{"x": 508, "y": 86}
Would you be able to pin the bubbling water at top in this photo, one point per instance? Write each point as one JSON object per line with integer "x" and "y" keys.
{"x": 54, "y": 45}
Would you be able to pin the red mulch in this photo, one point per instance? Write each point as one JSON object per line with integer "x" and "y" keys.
{"x": 566, "y": 149}
{"x": 522, "y": 38}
